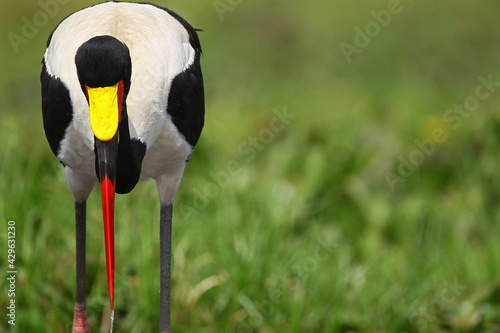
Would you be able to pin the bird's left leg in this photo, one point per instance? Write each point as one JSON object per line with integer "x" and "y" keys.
{"x": 167, "y": 188}
{"x": 165, "y": 266}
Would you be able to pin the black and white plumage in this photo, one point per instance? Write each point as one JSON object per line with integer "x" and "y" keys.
{"x": 146, "y": 60}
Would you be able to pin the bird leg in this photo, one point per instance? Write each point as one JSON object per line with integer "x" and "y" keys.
{"x": 165, "y": 259}
{"x": 80, "y": 322}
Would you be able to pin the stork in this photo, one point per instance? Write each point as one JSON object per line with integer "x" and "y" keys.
{"x": 122, "y": 102}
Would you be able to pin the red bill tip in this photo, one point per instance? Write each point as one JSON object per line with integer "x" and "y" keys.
{"x": 108, "y": 211}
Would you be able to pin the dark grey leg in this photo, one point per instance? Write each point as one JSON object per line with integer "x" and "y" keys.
{"x": 165, "y": 259}
{"x": 80, "y": 322}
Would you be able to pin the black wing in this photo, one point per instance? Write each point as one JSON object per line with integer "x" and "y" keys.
{"x": 186, "y": 101}
{"x": 56, "y": 108}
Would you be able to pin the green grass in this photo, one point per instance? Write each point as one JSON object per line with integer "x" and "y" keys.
{"x": 304, "y": 234}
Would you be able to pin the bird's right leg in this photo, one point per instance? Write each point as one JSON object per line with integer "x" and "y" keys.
{"x": 80, "y": 322}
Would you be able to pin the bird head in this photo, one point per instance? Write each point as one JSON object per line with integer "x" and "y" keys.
{"x": 104, "y": 68}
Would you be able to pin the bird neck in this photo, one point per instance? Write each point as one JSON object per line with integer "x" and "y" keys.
{"x": 131, "y": 152}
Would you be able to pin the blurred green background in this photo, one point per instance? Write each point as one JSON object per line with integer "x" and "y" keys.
{"x": 372, "y": 207}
